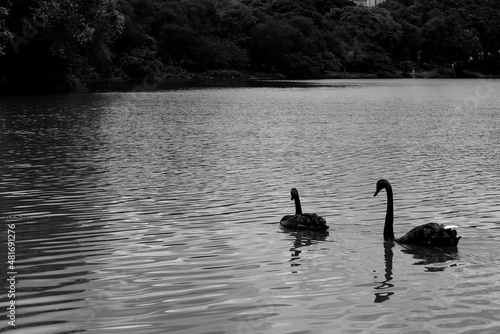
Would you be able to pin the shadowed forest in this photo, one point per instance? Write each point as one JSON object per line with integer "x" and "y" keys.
{"x": 58, "y": 45}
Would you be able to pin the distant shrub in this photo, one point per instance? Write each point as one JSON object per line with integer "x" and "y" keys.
{"x": 446, "y": 71}
{"x": 223, "y": 74}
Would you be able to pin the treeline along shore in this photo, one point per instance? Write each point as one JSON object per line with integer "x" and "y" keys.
{"x": 58, "y": 45}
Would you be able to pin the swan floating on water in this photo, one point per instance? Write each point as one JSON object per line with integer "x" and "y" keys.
{"x": 431, "y": 234}
{"x": 303, "y": 221}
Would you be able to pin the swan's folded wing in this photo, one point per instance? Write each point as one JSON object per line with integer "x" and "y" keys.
{"x": 312, "y": 221}
{"x": 290, "y": 221}
{"x": 285, "y": 218}
{"x": 431, "y": 234}
{"x": 305, "y": 221}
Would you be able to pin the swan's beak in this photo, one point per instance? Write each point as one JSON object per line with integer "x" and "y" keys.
{"x": 378, "y": 190}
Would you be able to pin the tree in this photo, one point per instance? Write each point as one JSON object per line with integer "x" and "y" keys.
{"x": 5, "y": 34}
{"x": 290, "y": 47}
{"x": 364, "y": 38}
{"x": 215, "y": 53}
{"x": 236, "y": 23}
{"x": 56, "y": 43}
{"x": 445, "y": 41}
{"x": 135, "y": 49}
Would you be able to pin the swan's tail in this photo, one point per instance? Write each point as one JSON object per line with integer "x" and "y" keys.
{"x": 450, "y": 227}
{"x": 448, "y": 236}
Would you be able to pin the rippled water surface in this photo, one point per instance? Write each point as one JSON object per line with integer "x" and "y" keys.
{"x": 157, "y": 212}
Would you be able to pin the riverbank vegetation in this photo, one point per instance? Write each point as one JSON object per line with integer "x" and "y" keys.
{"x": 56, "y": 45}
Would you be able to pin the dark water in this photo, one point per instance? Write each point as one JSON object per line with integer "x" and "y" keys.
{"x": 156, "y": 212}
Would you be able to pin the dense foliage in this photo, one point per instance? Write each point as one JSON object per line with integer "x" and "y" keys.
{"x": 55, "y": 44}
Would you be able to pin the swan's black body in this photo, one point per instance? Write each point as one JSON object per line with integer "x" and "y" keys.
{"x": 431, "y": 234}
{"x": 302, "y": 221}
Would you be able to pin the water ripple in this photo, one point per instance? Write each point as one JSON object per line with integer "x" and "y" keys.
{"x": 157, "y": 212}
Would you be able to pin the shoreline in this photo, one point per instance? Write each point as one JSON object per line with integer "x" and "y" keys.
{"x": 244, "y": 79}
{"x": 231, "y": 78}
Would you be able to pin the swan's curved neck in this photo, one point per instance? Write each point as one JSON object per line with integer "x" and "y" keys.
{"x": 389, "y": 215}
{"x": 298, "y": 208}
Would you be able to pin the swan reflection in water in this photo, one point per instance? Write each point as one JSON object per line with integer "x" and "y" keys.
{"x": 388, "y": 255}
{"x": 303, "y": 238}
{"x": 424, "y": 256}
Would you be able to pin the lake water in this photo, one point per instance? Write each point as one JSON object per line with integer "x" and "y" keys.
{"x": 156, "y": 212}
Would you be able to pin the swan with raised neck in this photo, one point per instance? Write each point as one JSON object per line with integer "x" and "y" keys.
{"x": 300, "y": 220}
{"x": 430, "y": 234}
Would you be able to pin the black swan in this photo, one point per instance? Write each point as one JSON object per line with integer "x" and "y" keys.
{"x": 431, "y": 234}
{"x": 302, "y": 221}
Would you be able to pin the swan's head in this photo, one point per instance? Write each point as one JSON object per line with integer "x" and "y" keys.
{"x": 295, "y": 194}
{"x": 382, "y": 184}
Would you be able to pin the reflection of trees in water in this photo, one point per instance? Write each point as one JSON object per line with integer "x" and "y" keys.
{"x": 425, "y": 256}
